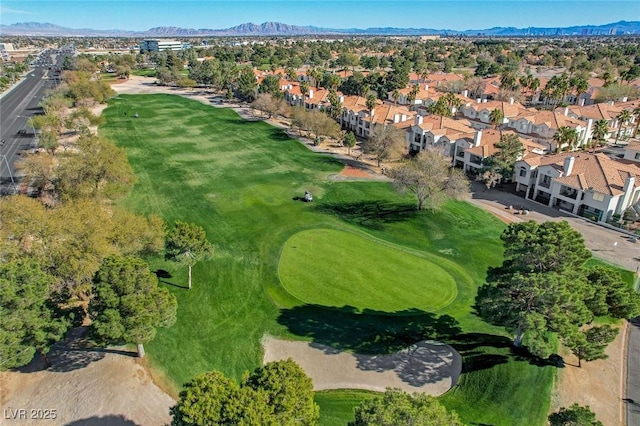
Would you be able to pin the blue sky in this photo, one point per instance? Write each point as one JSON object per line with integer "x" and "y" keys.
{"x": 455, "y": 15}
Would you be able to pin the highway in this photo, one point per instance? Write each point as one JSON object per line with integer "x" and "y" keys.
{"x": 16, "y": 107}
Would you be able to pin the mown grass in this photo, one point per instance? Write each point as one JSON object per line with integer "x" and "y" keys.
{"x": 336, "y": 268}
{"x": 239, "y": 180}
{"x": 337, "y": 406}
{"x": 144, "y": 72}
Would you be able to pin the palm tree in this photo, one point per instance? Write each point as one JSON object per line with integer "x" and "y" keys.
{"x": 395, "y": 95}
{"x": 452, "y": 101}
{"x": 496, "y": 116}
{"x": 579, "y": 84}
{"x": 304, "y": 88}
{"x": 566, "y": 136}
{"x": 311, "y": 77}
{"x": 636, "y": 115}
{"x": 600, "y": 131}
{"x": 371, "y": 103}
{"x": 623, "y": 117}
{"x": 413, "y": 94}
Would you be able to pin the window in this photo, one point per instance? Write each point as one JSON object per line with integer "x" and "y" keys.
{"x": 597, "y": 196}
{"x": 523, "y": 172}
{"x": 637, "y": 156}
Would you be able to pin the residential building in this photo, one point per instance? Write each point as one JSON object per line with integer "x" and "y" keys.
{"x": 478, "y": 113}
{"x": 541, "y": 126}
{"x": 437, "y": 131}
{"x": 470, "y": 153}
{"x": 585, "y": 184}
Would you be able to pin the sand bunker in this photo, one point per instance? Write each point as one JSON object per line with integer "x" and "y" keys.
{"x": 427, "y": 366}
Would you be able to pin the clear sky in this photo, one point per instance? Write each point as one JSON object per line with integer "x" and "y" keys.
{"x": 216, "y": 14}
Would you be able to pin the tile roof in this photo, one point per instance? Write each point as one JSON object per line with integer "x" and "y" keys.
{"x": 436, "y": 122}
{"x": 490, "y": 137}
{"x": 508, "y": 109}
{"x": 592, "y": 171}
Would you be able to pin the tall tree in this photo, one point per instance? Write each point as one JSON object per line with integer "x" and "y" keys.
{"x": 97, "y": 169}
{"x": 413, "y": 94}
{"x": 396, "y": 407}
{"x": 289, "y": 392}
{"x": 247, "y": 84}
{"x": 304, "y": 89}
{"x": 623, "y": 117}
{"x": 349, "y": 141}
{"x": 542, "y": 288}
{"x": 430, "y": 178}
{"x": 565, "y": 136}
{"x": 277, "y": 394}
{"x": 636, "y": 118}
{"x": 395, "y": 95}
{"x": 510, "y": 150}
{"x": 27, "y": 320}
{"x": 371, "y": 105}
{"x": 590, "y": 345}
{"x": 579, "y": 84}
{"x": 600, "y": 131}
{"x": 127, "y": 305}
{"x": 187, "y": 242}
{"x": 574, "y": 416}
{"x": 495, "y": 117}
{"x": 386, "y": 142}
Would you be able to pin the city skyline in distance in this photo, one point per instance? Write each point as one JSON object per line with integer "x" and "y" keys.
{"x": 142, "y": 15}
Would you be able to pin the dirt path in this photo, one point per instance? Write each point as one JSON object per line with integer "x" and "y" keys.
{"x": 596, "y": 384}
{"x": 85, "y": 387}
{"x": 428, "y": 367}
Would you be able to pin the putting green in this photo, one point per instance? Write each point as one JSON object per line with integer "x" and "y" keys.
{"x": 336, "y": 268}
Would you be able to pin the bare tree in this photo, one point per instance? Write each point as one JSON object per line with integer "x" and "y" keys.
{"x": 431, "y": 179}
{"x": 386, "y": 142}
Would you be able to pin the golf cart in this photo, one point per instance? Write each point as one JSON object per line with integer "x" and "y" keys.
{"x": 307, "y": 197}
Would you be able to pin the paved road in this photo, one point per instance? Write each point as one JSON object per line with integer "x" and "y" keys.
{"x": 16, "y": 107}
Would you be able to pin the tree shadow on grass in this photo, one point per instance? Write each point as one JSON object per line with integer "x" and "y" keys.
{"x": 372, "y": 214}
{"x": 378, "y": 333}
{"x": 369, "y": 331}
{"x": 163, "y": 275}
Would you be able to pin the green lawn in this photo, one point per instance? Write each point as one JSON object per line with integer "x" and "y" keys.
{"x": 240, "y": 180}
{"x": 144, "y": 72}
{"x": 337, "y": 406}
{"x": 337, "y": 268}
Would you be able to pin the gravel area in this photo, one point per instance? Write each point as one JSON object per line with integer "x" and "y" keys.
{"x": 84, "y": 386}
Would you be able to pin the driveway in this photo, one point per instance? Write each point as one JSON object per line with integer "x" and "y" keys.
{"x": 606, "y": 244}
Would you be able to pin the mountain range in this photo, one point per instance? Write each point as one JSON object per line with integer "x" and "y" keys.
{"x": 280, "y": 29}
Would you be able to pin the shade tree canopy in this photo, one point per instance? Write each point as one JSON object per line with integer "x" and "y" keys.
{"x": 279, "y": 393}
{"x": 187, "y": 243}
{"x": 396, "y": 407}
{"x": 543, "y": 288}
{"x": 127, "y": 304}
{"x": 27, "y": 319}
{"x": 575, "y": 415}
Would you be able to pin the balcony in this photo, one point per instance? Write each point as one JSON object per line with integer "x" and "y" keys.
{"x": 475, "y": 160}
{"x": 569, "y": 192}
{"x": 545, "y": 183}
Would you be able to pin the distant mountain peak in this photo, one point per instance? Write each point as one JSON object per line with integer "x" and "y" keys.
{"x": 272, "y": 28}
